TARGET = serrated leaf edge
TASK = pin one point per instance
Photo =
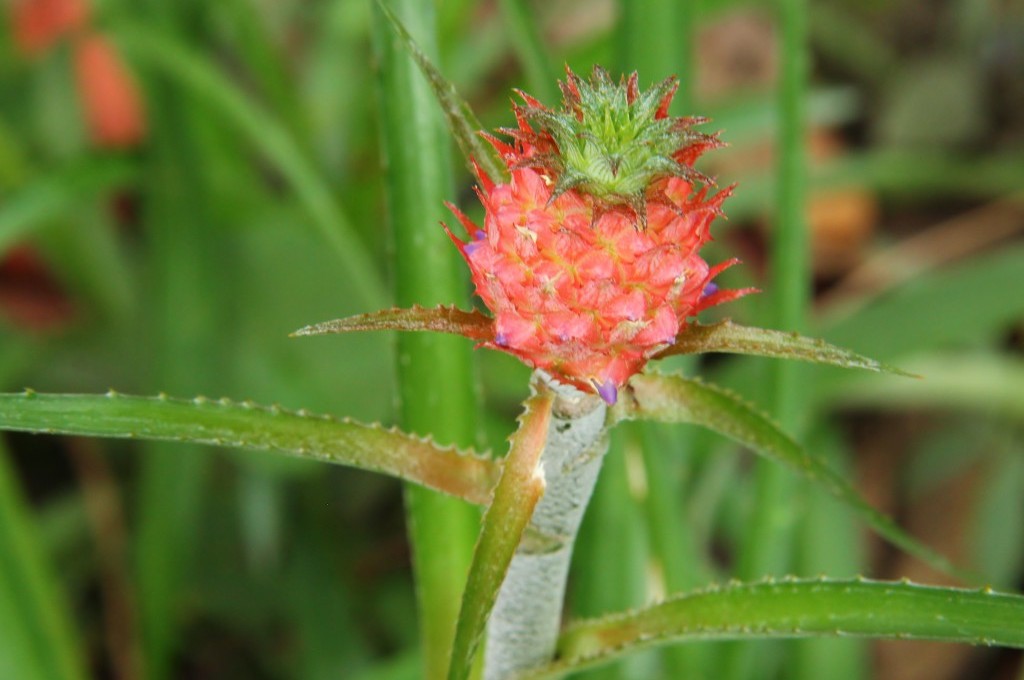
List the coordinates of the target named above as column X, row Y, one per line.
column 717, row 336
column 202, row 401
column 473, row 320
column 584, row 660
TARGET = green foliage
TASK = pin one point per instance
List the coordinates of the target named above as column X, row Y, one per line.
column 678, row 400
column 613, row 140
column 254, row 207
column 246, row 425
column 794, row 609
column 515, row 496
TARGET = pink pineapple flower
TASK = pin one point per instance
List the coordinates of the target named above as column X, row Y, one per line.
column 589, row 257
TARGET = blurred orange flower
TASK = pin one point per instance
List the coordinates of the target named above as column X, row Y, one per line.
column 38, row 24
column 110, row 96
column 111, row 102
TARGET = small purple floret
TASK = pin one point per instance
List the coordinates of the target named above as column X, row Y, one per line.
column 501, row 340
column 710, row 289
column 608, row 392
column 478, row 238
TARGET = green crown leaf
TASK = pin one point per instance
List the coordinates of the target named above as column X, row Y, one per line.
column 613, row 141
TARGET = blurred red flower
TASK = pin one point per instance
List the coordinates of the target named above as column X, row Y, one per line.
column 111, row 101
column 38, row 24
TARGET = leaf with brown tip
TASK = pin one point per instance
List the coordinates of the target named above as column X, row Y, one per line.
column 726, row 336
column 245, row 425
column 474, row 325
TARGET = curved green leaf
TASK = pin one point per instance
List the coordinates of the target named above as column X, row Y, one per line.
column 795, row 609
column 461, row 120
column 726, row 336
column 435, row 374
column 973, row 295
column 675, row 399
column 982, row 383
column 37, row 637
column 442, row 319
column 270, row 137
column 518, row 491
column 246, row 425
column 55, row 193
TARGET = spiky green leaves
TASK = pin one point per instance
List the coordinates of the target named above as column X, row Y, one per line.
column 612, row 141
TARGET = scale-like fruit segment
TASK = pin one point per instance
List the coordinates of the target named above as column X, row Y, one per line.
column 589, row 275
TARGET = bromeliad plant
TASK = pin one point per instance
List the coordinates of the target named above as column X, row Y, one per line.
column 589, row 261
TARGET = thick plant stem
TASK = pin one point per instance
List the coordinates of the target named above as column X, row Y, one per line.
column 525, row 621
column 436, row 382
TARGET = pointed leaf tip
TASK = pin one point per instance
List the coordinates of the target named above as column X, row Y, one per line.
column 246, row 425
column 474, row 324
column 674, row 399
column 726, row 336
column 462, row 121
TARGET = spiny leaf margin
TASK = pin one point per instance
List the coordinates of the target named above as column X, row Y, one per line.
column 726, row 336
column 442, row 319
column 794, row 608
column 462, row 121
column 246, row 425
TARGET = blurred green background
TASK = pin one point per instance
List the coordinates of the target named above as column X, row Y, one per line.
column 176, row 201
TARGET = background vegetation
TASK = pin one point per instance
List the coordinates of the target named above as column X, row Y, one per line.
column 174, row 248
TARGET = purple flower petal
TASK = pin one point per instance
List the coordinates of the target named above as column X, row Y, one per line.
column 607, row 391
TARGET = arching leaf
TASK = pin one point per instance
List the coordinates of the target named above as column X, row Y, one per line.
column 245, row 425
column 474, row 324
column 795, row 609
column 675, row 399
column 462, row 122
column 726, row 336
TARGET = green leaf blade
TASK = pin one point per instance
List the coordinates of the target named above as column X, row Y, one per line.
column 248, row 426
column 676, row 399
column 53, row 195
column 462, row 122
column 37, row 636
column 518, row 491
column 726, row 336
column 196, row 76
column 797, row 609
column 441, row 319
column 436, row 374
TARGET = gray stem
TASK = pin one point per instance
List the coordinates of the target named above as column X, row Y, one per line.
column 524, row 624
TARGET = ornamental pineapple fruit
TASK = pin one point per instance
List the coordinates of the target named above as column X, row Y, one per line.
column 589, row 255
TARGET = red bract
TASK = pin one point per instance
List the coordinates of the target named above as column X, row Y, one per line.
column 589, row 278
